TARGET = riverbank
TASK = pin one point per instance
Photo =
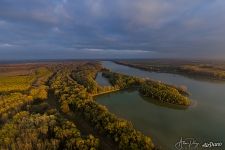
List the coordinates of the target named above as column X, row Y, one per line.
column 107, row 92
column 196, row 71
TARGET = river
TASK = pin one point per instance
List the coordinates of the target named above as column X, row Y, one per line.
column 204, row 121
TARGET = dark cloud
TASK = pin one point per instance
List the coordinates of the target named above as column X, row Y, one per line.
column 37, row 29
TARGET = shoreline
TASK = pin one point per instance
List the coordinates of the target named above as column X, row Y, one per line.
column 107, row 92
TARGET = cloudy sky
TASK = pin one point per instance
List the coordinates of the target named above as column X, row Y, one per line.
column 53, row 29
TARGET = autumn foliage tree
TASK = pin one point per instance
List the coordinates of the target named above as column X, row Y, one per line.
column 39, row 132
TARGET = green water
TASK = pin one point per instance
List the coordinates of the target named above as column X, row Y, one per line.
column 204, row 121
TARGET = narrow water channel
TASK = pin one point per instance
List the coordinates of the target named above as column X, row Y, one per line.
column 102, row 81
column 205, row 121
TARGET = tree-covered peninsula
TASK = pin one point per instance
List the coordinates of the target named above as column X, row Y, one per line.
column 159, row 91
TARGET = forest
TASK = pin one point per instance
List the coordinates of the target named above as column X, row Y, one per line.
column 163, row 93
column 74, row 96
column 28, row 122
column 122, row 81
column 35, row 131
column 37, row 108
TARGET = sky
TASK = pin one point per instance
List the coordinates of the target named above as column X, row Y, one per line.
column 78, row 29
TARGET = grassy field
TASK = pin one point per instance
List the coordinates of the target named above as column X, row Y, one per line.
column 15, row 83
column 20, row 88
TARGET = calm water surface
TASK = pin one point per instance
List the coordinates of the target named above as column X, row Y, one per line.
column 205, row 121
column 102, row 81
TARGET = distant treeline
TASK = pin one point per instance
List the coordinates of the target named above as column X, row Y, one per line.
column 194, row 70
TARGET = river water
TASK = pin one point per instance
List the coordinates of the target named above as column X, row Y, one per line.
column 204, row 121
